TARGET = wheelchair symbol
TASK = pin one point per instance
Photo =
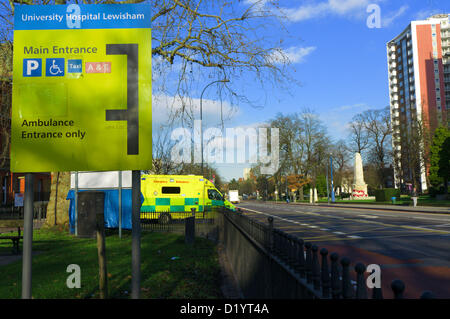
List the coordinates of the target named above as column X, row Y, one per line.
column 55, row 67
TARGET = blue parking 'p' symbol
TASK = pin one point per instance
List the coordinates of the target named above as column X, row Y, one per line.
column 54, row 67
column 32, row 67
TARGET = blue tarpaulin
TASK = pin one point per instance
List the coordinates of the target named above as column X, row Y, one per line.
column 111, row 208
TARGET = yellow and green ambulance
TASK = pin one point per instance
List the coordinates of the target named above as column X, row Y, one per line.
column 179, row 193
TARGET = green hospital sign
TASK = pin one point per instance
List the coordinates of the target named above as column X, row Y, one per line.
column 81, row 88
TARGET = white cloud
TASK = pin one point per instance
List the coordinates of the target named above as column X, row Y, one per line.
column 337, row 119
column 358, row 106
column 292, row 54
column 388, row 19
column 426, row 13
column 164, row 107
column 257, row 5
column 257, row 2
column 298, row 54
column 306, row 12
column 338, row 7
column 343, row 8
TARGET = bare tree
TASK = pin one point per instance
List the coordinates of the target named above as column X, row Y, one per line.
column 359, row 138
column 222, row 39
column 414, row 139
column 5, row 123
column 198, row 40
column 5, row 98
column 378, row 127
column 195, row 40
column 162, row 163
column 304, row 148
column 341, row 159
column 316, row 143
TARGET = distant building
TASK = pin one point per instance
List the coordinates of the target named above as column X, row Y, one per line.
column 419, row 86
column 246, row 173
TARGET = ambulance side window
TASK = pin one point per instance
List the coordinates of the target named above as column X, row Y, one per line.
column 213, row 194
column 170, row 190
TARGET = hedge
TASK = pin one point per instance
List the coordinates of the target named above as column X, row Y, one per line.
column 385, row 194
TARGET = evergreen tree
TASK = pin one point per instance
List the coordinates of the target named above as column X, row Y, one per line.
column 439, row 157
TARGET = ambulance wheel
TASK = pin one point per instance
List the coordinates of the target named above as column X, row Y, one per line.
column 164, row 218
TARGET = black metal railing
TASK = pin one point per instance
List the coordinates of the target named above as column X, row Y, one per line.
column 167, row 221
column 12, row 212
column 326, row 276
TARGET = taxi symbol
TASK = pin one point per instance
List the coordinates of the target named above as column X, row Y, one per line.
column 75, row 66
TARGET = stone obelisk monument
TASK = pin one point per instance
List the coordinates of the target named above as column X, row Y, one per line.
column 359, row 187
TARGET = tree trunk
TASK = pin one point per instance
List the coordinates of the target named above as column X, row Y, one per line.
column 58, row 205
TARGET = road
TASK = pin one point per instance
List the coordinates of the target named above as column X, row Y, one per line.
column 411, row 246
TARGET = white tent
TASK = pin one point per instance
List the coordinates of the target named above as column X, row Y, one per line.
column 100, row 180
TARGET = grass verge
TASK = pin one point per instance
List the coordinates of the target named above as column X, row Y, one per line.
column 193, row 273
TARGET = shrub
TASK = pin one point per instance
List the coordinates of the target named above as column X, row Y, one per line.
column 345, row 195
column 385, row 194
column 432, row 191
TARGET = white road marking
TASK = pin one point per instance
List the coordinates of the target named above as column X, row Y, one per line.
column 368, row 216
column 356, row 237
column 329, row 216
column 425, row 228
column 441, row 232
column 428, row 218
column 338, row 233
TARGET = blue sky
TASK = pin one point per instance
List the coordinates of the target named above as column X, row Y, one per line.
column 339, row 61
column 343, row 70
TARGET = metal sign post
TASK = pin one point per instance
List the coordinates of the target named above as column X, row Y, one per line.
column 27, row 236
column 120, row 204
column 135, row 234
column 333, row 199
column 76, row 203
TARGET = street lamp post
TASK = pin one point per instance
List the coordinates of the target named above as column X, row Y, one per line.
column 331, row 175
column 201, row 114
column 287, row 196
column 328, row 192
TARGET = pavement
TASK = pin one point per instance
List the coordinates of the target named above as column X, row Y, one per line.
column 408, row 243
column 6, row 259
